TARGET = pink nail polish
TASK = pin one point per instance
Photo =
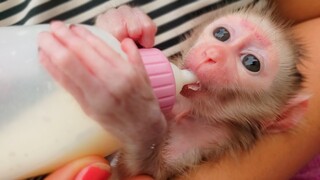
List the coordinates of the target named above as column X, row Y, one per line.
column 94, row 172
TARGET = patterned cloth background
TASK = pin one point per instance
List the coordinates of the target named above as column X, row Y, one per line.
column 173, row 18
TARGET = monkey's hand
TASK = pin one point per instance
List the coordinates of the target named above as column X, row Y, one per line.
column 124, row 22
column 113, row 90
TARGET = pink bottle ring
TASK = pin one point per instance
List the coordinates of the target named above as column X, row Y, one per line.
column 161, row 77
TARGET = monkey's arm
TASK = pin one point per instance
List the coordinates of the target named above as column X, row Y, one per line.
column 114, row 91
column 279, row 156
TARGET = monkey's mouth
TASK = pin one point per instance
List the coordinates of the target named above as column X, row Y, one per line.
column 190, row 89
column 194, row 86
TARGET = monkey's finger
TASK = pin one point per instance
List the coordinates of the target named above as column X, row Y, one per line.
column 130, row 48
column 46, row 62
column 97, row 44
column 132, row 22
column 120, row 65
column 112, row 22
column 58, row 76
column 63, row 80
column 114, row 77
column 91, row 60
column 148, row 27
column 71, row 70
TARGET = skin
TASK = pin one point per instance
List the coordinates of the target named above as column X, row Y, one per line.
column 72, row 169
column 93, row 80
column 299, row 11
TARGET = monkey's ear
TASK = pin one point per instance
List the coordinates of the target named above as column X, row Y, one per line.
column 291, row 114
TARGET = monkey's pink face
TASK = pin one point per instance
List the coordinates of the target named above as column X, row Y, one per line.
column 233, row 52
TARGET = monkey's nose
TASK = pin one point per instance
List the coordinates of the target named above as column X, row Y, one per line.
column 210, row 60
column 213, row 55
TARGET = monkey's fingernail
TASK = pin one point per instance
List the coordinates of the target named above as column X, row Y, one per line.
column 72, row 26
column 97, row 171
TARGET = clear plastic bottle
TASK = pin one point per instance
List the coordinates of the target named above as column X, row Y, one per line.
column 41, row 125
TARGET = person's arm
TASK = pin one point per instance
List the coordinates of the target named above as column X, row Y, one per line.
column 279, row 156
column 93, row 166
column 298, row 10
column 90, row 167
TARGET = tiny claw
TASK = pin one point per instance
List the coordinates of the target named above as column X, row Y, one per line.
column 72, row 26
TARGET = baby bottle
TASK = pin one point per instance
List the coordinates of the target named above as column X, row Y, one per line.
column 41, row 126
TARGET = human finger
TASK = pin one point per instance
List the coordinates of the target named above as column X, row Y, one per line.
column 91, row 167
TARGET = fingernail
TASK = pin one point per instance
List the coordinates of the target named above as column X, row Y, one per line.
column 72, row 26
column 97, row 171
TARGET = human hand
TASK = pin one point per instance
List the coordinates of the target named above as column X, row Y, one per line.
column 128, row 22
column 87, row 168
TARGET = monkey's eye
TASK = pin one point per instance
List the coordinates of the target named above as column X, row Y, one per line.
column 221, row 33
column 251, row 63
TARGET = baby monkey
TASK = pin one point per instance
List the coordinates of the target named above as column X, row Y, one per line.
column 248, row 86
